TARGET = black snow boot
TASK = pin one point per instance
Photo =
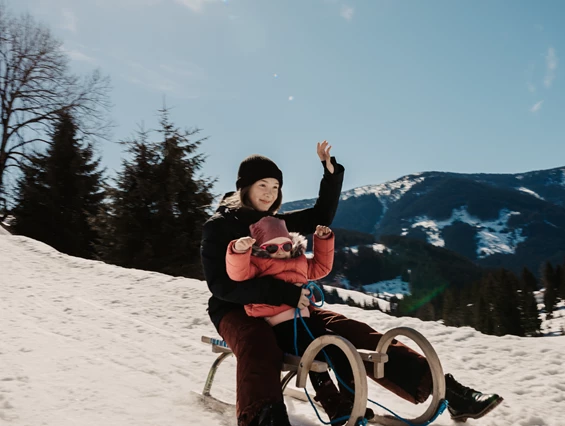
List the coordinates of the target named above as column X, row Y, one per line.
column 272, row 415
column 343, row 410
column 327, row 393
column 346, row 405
column 466, row 403
column 336, row 404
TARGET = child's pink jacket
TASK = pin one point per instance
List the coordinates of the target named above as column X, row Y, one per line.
column 298, row 270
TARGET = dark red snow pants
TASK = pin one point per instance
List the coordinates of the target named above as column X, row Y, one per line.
column 259, row 360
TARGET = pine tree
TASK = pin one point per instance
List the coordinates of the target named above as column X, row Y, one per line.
column 528, row 280
column 550, row 296
column 531, row 322
column 559, row 279
column 426, row 312
column 466, row 302
column 60, row 193
column 160, row 204
column 562, row 285
column 450, row 309
column 482, row 320
column 506, row 311
column 484, row 306
column 126, row 226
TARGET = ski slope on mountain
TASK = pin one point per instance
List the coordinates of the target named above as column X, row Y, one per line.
column 83, row 343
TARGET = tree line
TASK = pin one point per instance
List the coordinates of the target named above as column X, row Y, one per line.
column 446, row 286
column 150, row 216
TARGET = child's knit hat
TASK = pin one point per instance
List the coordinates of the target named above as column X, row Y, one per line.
column 268, row 228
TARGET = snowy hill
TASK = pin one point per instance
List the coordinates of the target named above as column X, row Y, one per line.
column 83, row 343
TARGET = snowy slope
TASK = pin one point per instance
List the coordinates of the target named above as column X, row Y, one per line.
column 84, row 343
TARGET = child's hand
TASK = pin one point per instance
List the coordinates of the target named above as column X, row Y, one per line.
column 323, row 231
column 243, row 244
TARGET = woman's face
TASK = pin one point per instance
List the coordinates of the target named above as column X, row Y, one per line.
column 263, row 193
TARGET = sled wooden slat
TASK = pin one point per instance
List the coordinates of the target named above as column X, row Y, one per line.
column 217, row 347
column 377, row 358
column 290, row 362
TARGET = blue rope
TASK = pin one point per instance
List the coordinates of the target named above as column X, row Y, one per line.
column 311, row 286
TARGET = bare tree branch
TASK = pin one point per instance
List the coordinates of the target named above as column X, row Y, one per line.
column 36, row 86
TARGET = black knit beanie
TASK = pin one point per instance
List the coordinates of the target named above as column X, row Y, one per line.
column 257, row 167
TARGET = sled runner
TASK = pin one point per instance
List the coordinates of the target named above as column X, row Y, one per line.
column 300, row 366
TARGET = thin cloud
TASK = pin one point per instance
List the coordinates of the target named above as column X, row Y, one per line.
column 69, row 20
column 148, row 77
column 129, row 3
column 184, row 69
column 551, row 63
column 194, row 5
column 77, row 55
column 154, row 80
column 536, row 107
column 530, row 77
column 347, row 12
column 158, row 85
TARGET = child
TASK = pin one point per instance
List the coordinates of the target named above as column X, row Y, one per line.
column 272, row 250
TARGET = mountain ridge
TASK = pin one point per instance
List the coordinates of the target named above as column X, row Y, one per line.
column 494, row 219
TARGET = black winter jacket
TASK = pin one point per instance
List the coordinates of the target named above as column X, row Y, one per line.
column 227, row 225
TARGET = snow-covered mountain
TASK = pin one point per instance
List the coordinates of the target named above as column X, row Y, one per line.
column 510, row 220
column 84, row 343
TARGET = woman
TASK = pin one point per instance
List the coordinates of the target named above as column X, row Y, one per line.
column 259, row 359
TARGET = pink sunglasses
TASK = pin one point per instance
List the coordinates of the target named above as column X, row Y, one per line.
column 273, row 248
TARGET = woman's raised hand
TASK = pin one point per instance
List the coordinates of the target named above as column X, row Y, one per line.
column 323, row 150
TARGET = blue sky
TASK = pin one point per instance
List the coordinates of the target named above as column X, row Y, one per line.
column 396, row 87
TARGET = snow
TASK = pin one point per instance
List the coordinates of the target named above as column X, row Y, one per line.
column 495, row 237
column 394, row 287
column 432, row 228
column 387, row 192
column 492, row 236
column 555, row 326
column 377, row 247
column 530, row 192
column 359, row 297
column 83, row 343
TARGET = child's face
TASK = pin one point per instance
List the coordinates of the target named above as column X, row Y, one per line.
column 280, row 253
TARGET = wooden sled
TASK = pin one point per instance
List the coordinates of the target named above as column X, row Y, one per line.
column 300, row 366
